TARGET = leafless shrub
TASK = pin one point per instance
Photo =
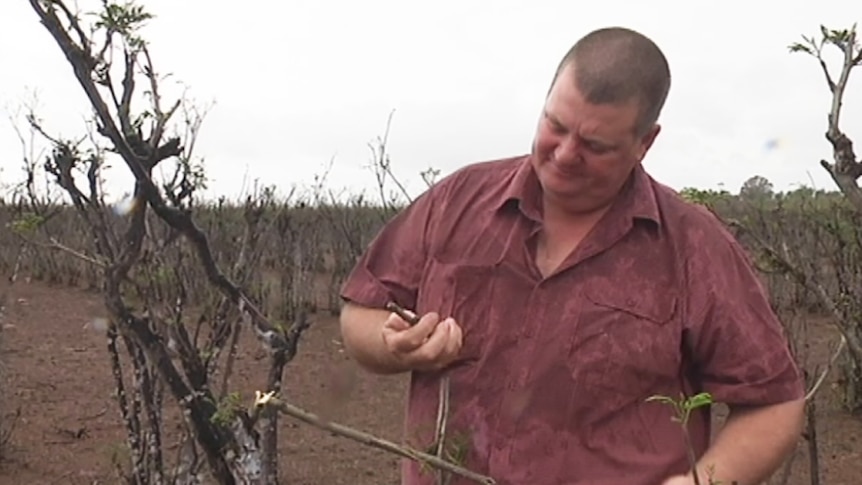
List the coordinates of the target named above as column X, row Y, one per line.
column 144, row 261
column 174, row 315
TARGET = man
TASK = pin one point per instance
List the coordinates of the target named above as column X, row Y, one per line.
column 559, row 290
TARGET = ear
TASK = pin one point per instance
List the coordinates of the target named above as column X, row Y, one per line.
column 647, row 140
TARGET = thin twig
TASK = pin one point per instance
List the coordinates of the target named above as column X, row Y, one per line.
column 691, row 456
column 822, row 377
column 58, row 246
column 405, row 315
column 269, row 399
column 442, row 419
column 443, row 397
column 805, row 279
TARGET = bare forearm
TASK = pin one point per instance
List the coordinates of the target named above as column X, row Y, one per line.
column 361, row 330
column 753, row 444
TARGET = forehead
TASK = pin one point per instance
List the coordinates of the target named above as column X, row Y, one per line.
column 566, row 105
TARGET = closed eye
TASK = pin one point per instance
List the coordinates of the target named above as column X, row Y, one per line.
column 597, row 147
column 556, row 126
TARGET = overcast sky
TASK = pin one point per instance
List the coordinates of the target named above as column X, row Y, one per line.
column 297, row 84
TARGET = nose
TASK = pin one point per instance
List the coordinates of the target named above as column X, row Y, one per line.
column 567, row 151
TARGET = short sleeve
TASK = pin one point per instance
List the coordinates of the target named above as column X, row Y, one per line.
column 737, row 343
column 391, row 267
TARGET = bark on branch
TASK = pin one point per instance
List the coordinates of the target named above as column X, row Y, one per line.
column 264, row 400
column 843, row 323
column 846, row 169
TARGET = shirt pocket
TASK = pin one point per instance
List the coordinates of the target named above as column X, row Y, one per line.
column 463, row 291
column 625, row 348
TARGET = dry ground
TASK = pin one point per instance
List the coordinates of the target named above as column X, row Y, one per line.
column 56, row 371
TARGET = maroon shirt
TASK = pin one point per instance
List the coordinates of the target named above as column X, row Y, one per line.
column 554, row 372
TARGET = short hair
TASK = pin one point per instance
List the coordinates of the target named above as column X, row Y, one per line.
column 616, row 65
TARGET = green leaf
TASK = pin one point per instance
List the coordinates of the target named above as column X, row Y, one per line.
column 698, row 400
column 797, row 47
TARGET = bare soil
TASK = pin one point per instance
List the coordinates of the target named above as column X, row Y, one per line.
column 55, row 370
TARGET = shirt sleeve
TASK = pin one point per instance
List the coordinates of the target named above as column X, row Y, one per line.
column 391, row 267
column 738, row 345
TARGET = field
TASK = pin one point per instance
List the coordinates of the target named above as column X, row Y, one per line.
column 55, row 369
column 69, row 428
column 290, row 258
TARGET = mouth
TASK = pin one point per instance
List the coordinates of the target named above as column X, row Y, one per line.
column 566, row 171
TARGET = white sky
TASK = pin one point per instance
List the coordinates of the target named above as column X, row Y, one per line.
column 298, row 83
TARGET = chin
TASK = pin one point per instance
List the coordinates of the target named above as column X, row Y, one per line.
column 560, row 183
column 575, row 198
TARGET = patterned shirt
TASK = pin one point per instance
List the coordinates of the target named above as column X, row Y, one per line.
column 552, row 382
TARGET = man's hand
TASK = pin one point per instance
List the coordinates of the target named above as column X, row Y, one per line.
column 430, row 344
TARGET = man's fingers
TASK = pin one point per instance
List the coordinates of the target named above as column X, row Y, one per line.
column 456, row 341
column 430, row 343
column 404, row 338
column 394, row 322
column 418, row 334
column 436, row 343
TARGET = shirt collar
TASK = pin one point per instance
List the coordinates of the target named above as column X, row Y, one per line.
column 637, row 198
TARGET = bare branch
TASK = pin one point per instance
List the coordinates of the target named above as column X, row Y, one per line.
column 781, row 261
column 162, row 118
column 822, row 377
column 56, row 245
column 179, row 220
column 382, row 166
column 442, row 424
column 829, row 81
column 268, row 399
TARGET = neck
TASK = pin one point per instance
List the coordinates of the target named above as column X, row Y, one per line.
column 562, row 231
column 558, row 215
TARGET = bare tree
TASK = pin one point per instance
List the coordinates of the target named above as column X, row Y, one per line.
column 132, row 261
column 144, row 265
column 845, row 170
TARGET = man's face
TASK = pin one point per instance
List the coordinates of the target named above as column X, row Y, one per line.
column 583, row 153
